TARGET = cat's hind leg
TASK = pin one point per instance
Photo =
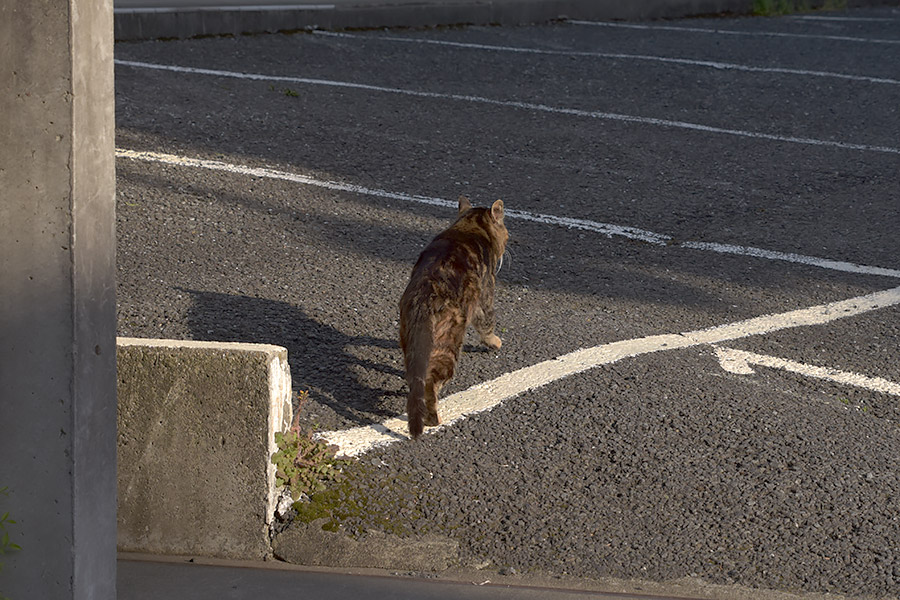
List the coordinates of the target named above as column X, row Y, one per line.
column 448, row 340
column 432, row 391
column 440, row 370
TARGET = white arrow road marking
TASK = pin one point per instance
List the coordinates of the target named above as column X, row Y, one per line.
column 485, row 396
column 739, row 361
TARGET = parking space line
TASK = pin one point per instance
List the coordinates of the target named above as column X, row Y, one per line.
column 667, row 123
column 823, row 263
column 839, row 38
column 739, row 361
column 485, row 396
column 718, row 65
column 606, row 229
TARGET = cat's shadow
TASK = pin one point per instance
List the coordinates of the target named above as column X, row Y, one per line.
column 322, row 360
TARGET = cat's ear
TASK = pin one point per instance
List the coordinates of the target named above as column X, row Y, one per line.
column 497, row 211
column 464, row 205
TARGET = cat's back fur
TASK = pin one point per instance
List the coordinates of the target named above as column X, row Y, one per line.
column 451, row 285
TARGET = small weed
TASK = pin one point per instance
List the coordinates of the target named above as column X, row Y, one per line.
column 772, row 8
column 304, row 465
column 328, row 488
column 6, row 545
column 285, row 91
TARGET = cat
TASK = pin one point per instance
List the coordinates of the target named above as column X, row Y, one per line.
column 451, row 285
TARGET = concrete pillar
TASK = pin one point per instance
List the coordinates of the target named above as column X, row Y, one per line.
column 57, row 298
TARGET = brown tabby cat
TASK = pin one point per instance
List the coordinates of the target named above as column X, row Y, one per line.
column 451, row 286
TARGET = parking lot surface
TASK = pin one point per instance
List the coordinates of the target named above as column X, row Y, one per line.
column 699, row 309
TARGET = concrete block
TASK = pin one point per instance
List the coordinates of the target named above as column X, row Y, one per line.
column 196, row 430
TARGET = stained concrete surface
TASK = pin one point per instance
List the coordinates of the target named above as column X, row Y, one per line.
column 196, row 427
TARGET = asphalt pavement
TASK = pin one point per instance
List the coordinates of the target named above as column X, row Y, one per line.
column 706, row 207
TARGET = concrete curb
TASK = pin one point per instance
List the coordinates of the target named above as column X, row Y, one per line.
column 153, row 23
column 165, row 23
column 309, row 545
column 196, row 430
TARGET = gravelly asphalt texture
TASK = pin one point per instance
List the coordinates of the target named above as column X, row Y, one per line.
column 659, row 467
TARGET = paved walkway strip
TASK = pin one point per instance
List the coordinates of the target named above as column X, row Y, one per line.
column 485, row 396
column 575, row 112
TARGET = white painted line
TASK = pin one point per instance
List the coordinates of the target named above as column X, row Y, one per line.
column 616, row 56
column 216, row 165
column 519, row 105
column 824, row 263
column 839, row 38
column 582, row 224
column 739, row 361
column 606, row 229
column 485, row 396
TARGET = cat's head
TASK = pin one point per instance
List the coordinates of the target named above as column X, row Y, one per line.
column 488, row 219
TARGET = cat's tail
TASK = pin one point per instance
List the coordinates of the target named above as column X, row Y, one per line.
column 418, row 351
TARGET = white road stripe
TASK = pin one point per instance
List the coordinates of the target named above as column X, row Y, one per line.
column 839, row 38
column 519, row 105
column 568, row 222
column 215, row 165
column 616, row 56
column 824, row 263
column 485, row 396
column 739, row 361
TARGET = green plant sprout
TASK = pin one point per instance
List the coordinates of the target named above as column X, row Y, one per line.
column 303, row 464
column 771, row 8
column 6, row 545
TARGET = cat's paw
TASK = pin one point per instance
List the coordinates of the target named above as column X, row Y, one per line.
column 492, row 341
column 432, row 419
